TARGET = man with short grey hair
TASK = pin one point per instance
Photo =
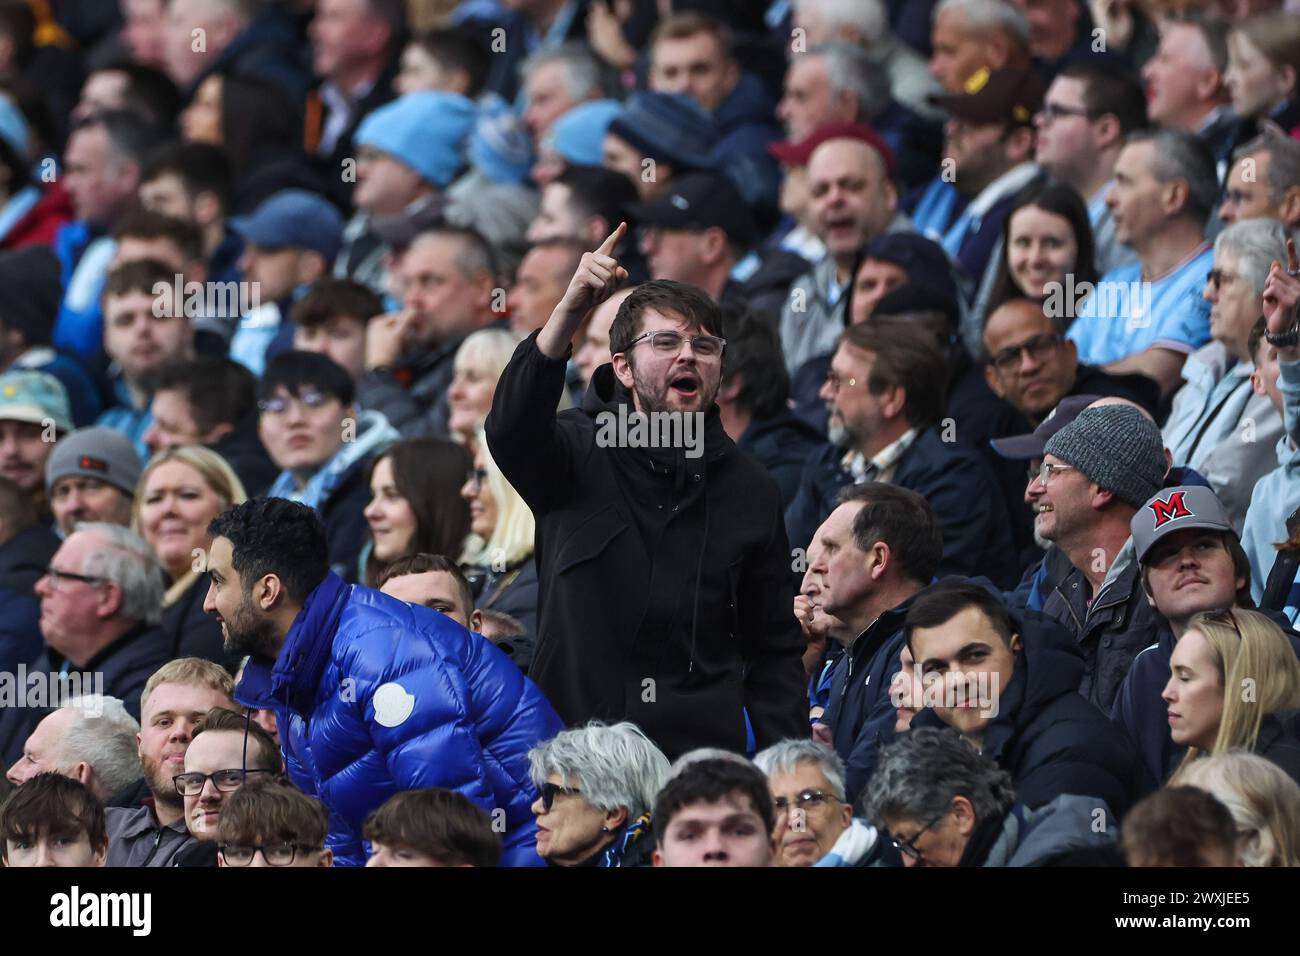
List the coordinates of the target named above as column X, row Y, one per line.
column 1264, row 180
column 864, row 25
column 101, row 600
column 1185, row 82
column 945, row 804
column 555, row 81
column 90, row 739
column 814, row 820
column 1148, row 316
column 1218, row 425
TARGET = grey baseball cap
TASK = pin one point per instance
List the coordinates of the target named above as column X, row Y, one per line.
column 1177, row 509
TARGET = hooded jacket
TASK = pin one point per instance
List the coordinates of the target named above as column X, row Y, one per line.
column 747, row 124
column 1110, row 628
column 374, row 696
column 1050, row 739
column 957, row 483
column 1046, row 836
column 664, row 594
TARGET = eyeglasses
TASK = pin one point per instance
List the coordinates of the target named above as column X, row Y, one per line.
column 1217, row 277
column 57, row 577
column 548, row 791
column 281, row 854
column 279, row 404
column 836, row 383
column 1046, row 470
column 806, row 799
column 1038, row 348
column 670, row 343
column 476, row 478
column 1051, row 112
column 908, row 847
column 191, row 784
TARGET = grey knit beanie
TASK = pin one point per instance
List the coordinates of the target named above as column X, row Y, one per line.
column 1115, row 446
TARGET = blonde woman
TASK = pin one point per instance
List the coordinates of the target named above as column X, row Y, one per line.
column 479, row 363
column 1263, row 800
column 1263, row 66
column 180, row 491
column 498, row 556
column 1234, row 684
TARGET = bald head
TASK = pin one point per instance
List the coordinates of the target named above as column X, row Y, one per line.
column 851, row 197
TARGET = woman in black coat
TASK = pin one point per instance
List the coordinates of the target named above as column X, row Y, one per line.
column 179, row 493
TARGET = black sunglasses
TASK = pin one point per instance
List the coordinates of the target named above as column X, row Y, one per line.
column 548, row 791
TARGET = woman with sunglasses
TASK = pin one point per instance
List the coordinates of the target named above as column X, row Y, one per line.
column 498, row 557
column 942, row 803
column 1234, row 684
column 596, row 786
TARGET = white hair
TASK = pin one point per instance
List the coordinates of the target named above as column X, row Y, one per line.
column 983, row 16
column 785, row 756
column 127, row 561
column 849, row 69
column 102, row 736
column 1255, row 243
column 582, row 74
column 704, row 753
column 612, row 766
column 866, row 16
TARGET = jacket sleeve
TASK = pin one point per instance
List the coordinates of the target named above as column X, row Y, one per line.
column 969, row 509
column 877, row 730
column 428, row 741
column 380, row 391
column 528, row 447
column 775, row 690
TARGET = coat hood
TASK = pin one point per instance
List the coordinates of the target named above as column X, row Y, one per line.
column 1047, row 666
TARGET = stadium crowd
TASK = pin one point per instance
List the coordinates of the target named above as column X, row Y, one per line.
column 858, row 433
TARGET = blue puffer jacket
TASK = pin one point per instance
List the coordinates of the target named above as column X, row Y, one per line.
column 374, row 696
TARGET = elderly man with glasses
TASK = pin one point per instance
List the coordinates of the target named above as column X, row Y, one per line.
column 101, row 600
column 945, row 804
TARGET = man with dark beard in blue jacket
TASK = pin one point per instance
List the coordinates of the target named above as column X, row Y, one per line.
column 372, row 696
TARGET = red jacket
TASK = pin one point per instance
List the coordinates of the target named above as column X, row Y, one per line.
column 43, row 220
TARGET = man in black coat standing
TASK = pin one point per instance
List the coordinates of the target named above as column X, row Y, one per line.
column 1012, row 688
column 662, row 558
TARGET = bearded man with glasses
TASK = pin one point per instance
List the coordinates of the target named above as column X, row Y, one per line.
column 666, row 570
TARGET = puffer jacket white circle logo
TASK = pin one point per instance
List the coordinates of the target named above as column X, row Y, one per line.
column 392, row 704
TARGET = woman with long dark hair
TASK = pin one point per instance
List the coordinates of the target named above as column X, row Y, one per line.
column 1045, row 238
column 415, row 505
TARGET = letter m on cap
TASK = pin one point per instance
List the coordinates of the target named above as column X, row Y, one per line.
column 1167, row 509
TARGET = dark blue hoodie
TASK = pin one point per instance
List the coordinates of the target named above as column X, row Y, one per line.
column 747, row 122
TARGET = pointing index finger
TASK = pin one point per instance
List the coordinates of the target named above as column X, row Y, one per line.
column 607, row 247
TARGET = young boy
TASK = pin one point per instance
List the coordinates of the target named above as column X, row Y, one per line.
column 52, row 820
column 431, row 827
column 332, row 319
column 271, row 823
column 715, row 812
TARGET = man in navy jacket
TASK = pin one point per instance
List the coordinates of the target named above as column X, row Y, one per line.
column 372, row 696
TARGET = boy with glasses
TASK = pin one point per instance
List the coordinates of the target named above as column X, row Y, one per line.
column 269, row 823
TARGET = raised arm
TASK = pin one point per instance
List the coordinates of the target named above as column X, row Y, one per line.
column 597, row 278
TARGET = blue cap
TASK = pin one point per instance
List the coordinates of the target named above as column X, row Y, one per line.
column 293, row 217
column 500, row 145
column 426, row 131
column 668, row 127
column 578, row 134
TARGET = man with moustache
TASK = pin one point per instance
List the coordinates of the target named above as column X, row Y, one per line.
column 34, row 414
column 666, row 569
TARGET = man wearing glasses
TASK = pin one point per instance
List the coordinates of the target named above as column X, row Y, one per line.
column 101, row 598
column 1088, row 110
column 668, row 576
column 269, row 823
column 1264, row 182
column 945, row 804
column 225, row 752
